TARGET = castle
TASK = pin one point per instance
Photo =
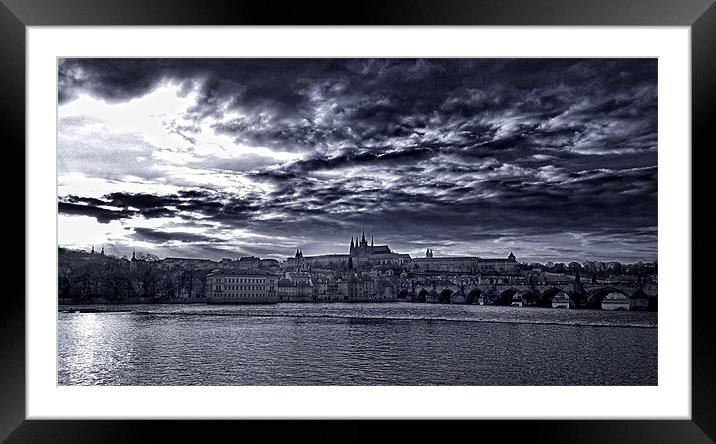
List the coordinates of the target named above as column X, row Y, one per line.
column 361, row 254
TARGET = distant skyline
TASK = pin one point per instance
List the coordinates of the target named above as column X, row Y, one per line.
column 552, row 159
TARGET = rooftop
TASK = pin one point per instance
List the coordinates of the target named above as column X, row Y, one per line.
column 242, row 272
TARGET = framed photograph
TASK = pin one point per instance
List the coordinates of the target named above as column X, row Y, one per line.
column 435, row 211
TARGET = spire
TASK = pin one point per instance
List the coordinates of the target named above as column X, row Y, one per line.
column 351, row 242
column 371, row 241
column 133, row 257
column 363, row 238
column 102, row 253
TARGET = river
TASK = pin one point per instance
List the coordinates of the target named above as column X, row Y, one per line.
column 354, row 344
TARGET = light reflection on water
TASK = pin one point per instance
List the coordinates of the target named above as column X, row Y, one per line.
column 356, row 344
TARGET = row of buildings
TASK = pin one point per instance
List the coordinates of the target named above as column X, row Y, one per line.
column 225, row 286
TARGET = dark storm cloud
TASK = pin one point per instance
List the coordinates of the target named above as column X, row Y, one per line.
column 162, row 236
column 418, row 151
column 314, row 103
column 349, row 159
column 101, row 214
column 187, row 204
column 116, row 206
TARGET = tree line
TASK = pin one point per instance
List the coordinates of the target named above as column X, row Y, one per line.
column 85, row 276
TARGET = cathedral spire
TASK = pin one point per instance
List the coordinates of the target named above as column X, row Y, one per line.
column 351, row 242
column 363, row 238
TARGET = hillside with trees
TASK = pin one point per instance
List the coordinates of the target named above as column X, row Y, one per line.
column 96, row 278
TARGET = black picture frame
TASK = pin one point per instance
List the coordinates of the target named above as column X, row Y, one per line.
column 16, row 15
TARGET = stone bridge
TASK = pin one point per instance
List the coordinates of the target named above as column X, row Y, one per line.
column 506, row 291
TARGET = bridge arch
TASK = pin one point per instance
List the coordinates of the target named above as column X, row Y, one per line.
column 507, row 297
column 403, row 294
column 444, row 297
column 473, row 296
column 596, row 297
column 422, row 295
column 547, row 299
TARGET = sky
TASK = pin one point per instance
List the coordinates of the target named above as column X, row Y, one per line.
column 552, row 159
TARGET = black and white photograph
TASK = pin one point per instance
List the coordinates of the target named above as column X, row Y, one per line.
column 357, row 221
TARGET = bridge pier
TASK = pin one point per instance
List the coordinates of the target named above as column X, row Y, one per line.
column 491, row 298
column 578, row 300
column 543, row 303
